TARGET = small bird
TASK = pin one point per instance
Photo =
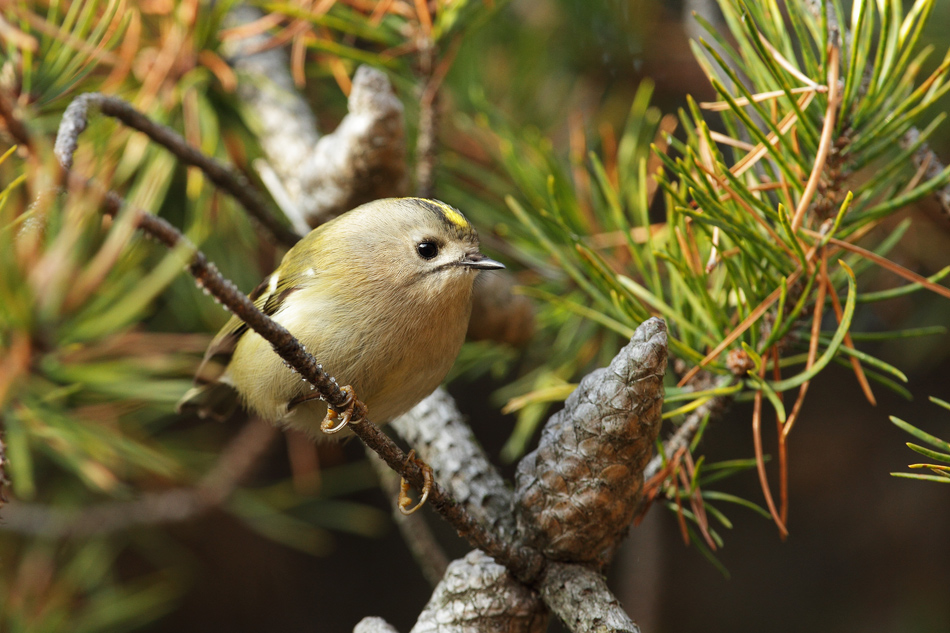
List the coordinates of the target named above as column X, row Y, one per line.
column 381, row 296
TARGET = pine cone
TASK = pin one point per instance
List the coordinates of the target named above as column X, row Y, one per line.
column 577, row 493
column 479, row 595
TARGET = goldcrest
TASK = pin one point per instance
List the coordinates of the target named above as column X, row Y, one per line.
column 381, row 296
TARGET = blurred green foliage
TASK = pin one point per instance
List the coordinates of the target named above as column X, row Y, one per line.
column 607, row 216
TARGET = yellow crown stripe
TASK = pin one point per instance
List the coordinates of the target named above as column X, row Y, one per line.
column 453, row 216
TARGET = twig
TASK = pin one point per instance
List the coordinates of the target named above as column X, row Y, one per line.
column 427, row 142
column 684, row 433
column 75, row 120
column 235, row 462
column 925, row 158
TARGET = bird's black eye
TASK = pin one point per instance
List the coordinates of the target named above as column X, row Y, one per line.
column 427, row 250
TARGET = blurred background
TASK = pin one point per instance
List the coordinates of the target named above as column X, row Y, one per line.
column 299, row 549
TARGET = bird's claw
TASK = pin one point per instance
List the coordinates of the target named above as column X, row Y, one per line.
column 404, row 500
column 353, row 410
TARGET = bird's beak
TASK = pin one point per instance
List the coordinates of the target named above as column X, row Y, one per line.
column 481, row 262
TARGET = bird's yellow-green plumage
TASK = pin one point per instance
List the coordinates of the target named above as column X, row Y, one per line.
column 381, row 297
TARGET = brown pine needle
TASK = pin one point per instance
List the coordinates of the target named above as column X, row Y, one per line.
column 381, row 9
column 127, row 53
column 687, row 251
column 786, row 124
column 680, row 518
column 782, row 444
column 760, row 459
column 577, row 147
column 696, row 501
column 425, row 18
column 885, row 263
column 298, row 52
column 219, row 68
column 338, row 68
column 812, row 345
column 441, row 70
column 608, row 143
column 746, row 323
column 732, row 142
column 790, row 67
column 824, row 144
column 918, row 175
column 258, row 26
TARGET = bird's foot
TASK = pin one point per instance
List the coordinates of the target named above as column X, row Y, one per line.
column 404, row 500
column 352, row 411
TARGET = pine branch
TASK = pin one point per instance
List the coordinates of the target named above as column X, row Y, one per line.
column 76, row 118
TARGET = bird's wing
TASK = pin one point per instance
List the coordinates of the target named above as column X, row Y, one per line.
column 210, row 396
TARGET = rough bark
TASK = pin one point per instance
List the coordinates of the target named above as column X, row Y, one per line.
column 437, row 431
column 314, row 177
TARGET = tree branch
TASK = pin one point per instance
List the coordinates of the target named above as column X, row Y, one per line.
column 579, row 596
column 76, row 118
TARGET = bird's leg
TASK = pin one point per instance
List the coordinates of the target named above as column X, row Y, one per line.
column 404, row 500
column 353, row 410
column 299, row 400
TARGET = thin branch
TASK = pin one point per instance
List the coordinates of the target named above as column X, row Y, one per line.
column 76, row 118
column 580, row 598
column 925, row 158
